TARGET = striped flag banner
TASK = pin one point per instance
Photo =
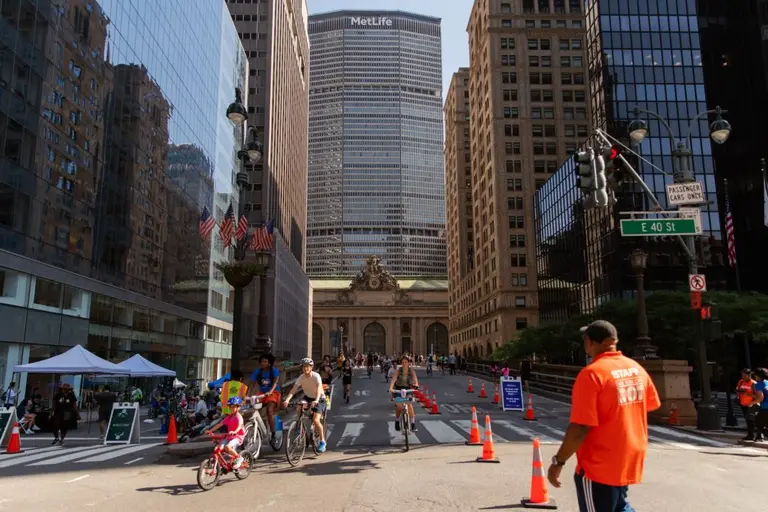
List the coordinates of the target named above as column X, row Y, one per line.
column 242, row 228
column 207, row 223
column 729, row 232
column 227, row 227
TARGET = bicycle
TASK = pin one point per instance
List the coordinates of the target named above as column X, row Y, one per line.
column 217, row 464
column 405, row 396
column 256, row 430
column 429, row 369
column 302, row 434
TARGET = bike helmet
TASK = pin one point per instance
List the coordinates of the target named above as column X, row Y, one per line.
column 235, row 400
column 307, row 361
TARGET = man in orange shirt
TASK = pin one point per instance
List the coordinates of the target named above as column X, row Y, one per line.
column 608, row 430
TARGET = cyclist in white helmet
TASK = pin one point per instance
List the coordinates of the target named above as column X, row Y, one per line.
column 312, row 386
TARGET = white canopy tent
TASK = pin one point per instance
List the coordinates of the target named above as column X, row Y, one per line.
column 138, row 366
column 74, row 361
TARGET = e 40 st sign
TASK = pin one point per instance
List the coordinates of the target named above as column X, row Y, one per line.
column 657, row 227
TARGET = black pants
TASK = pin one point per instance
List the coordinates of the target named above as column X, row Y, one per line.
column 60, row 427
column 761, row 422
column 749, row 416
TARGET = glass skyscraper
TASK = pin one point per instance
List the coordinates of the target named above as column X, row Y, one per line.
column 113, row 139
column 647, row 54
column 376, row 180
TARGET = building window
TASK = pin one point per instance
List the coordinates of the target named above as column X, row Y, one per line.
column 517, row 241
column 514, row 167
column 509, row 77
column 517, row 260
column 507, row 43
column 506, row 8
column 511, row 130
column 520, row 301
column 511, row 112
column 576, row 44
column 534, row 78
column 521, row 323
column 565, row 44
column 546, row 61
column 544, row 44
column 546, row 78
column 533, row 61
column 47, row 293
column 533, row 44
column 509, row 95
column 516, row 222
column 519, row 279
column 506, row 23
column 515, row 203
column 508, row 60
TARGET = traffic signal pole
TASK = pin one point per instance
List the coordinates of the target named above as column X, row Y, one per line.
column 707, row 417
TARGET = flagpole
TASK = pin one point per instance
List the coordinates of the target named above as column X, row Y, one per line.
column 729, row 209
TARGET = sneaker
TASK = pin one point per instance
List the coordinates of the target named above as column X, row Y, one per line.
column 397, row 425
column 36, row 428
column 55, row 442
column 748, row 438
column 347, row 399
column 413, row 427
column 238, row 463
column 759, row 439
column 273, row 438
column 321, row 447
column 61, row 442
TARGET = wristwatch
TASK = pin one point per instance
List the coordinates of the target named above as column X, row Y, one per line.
column 556, row 461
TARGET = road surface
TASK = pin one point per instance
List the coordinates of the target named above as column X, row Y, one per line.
column 366, row 469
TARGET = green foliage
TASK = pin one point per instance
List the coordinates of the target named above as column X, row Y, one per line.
column 670, row 323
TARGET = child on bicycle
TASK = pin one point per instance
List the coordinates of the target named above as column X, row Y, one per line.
column 235, row 431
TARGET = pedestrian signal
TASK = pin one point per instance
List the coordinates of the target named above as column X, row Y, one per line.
column 706, row 312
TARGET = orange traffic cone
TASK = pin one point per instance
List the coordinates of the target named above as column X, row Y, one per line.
column 539, row 495
column 495, row 395
column 489, row 455
column 674, row 416
column 529, row 414
column 14, row 443
column 172, row 438
column 427, row 403
column 482, row 391
column 423, row 396
column 434, row 410
column 470, row 389
column 474, row 431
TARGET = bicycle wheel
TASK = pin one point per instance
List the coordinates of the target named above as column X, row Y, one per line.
column 252, row 442
column 245, row 469
column 406, row 427
column 208, row 474
column 295, row 444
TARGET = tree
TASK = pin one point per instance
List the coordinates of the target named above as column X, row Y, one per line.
column 671, row 327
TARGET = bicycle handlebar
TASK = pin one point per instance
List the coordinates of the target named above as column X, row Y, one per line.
column 217, row 437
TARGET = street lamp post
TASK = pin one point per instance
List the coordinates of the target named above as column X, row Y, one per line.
column 240, row 275
column 643, row 347
column 708, row 417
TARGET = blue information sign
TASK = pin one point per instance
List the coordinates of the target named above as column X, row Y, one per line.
column 511, row 394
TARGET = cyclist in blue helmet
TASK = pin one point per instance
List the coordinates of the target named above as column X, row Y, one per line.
column 235, row 430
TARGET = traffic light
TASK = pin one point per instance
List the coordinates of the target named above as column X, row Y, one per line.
column 585, row 179
column 600, row 194
column 613, row 168
column 712, row 326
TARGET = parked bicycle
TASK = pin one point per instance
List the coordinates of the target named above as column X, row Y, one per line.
column 302, row 434
column 256, row 430
column 219, row 463
column 403, row 397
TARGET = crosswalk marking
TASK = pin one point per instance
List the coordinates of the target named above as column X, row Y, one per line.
column 690, row 437
column 37, row 456
column 119, row 453
column 396, row 437
column 530, row 434
column 351, row 432
column 466, row 426
column 674, row 444
column 68, row 456
column 441, row 432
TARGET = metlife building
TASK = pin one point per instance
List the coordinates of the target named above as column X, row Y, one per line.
column 376, row 176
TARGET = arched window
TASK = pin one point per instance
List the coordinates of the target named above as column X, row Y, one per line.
column 437, row 339
column 374, row 338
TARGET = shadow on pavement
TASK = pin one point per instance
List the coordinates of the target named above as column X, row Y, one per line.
column 335, row 467
column 177, row 490
column 503, row 507
column 731, row 454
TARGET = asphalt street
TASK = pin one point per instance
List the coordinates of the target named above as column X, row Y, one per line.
column 366, row 468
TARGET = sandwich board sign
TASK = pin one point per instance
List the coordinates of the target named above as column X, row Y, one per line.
column 123, row 427
column 7, row 420
column 511, row 394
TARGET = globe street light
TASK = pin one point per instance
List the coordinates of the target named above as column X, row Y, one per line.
column 708, row 417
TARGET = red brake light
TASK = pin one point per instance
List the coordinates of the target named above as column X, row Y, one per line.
column 614, row 153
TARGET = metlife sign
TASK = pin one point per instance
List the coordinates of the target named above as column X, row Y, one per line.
column 372, row 21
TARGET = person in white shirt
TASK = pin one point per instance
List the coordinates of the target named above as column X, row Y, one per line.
column 201, row 411
column 9, row 397
column 312, row 386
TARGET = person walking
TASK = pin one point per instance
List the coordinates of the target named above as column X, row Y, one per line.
column 760, row 401
column 64, row 413
column 745, row 392
column 10, row 395
column 608, row 428
column 105, row 399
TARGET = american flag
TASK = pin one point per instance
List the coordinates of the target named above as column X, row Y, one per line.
column 242, row 228
column 227, row 226
column 729, row 234
column 207, row 222
column 263, row 237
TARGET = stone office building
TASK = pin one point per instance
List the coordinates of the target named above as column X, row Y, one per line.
column 375, row 312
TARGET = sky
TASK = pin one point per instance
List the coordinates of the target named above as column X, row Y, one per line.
column 454, row 15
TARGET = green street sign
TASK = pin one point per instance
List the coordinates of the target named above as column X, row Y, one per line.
column 657, row 227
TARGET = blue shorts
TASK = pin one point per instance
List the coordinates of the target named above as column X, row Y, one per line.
column 595, row 497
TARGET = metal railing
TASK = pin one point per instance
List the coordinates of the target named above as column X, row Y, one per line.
column 547, row 379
